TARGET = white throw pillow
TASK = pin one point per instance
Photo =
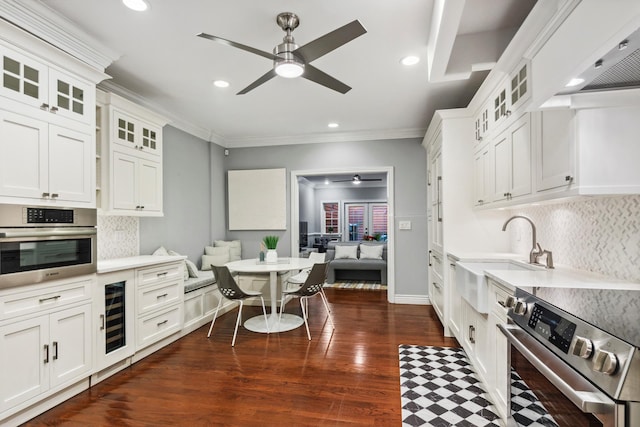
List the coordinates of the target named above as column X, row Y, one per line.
column 370, row 251
column 217, row 260
column 346, row 252
column 191, row 268
column 220, row 250
column 185, row 268
column 161, row 251
column 235, row 248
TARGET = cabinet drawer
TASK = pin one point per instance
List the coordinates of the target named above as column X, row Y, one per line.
column 436, row 294
column 43, row 297
column 160, row 325
column 151, row 298
column 163, row 273
column 497, row 298
column 436, row 264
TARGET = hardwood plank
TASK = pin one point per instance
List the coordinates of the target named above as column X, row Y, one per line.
column 349, row 376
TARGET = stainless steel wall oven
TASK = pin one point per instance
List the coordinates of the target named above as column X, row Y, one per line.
column 43, row 243
column 574, row 357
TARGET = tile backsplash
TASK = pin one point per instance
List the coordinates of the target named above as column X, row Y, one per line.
column 601, row 235
column 118, row 237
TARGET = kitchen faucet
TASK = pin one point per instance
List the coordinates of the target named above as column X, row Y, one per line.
column 536, row 249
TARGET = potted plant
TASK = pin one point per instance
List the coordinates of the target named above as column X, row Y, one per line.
column 271, row 242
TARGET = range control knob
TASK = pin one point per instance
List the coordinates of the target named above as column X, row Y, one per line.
column 510, row 301
column 605, row 362
column 583, row 347
column 520, row 308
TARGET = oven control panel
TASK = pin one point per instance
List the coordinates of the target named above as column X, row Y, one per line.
column 48, row 216
column 596, row 354
column 557, row 330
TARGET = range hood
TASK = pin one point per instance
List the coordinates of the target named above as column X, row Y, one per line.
column 618, row 69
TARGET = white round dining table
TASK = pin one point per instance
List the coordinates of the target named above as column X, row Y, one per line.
column 288, row 321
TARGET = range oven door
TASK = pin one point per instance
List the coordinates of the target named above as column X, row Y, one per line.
column 565, row 398
column 33, row 255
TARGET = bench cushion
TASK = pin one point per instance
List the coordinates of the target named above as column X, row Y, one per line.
column 205, row 278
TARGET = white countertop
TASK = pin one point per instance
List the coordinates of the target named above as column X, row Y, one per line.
column 484, row 256
column 109, row 265
column 560, row 277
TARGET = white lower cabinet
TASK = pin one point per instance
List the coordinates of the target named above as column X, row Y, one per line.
column 159, row 303
column 43, row 354
column 455, row 307
column 499, row 371
column 475, row 340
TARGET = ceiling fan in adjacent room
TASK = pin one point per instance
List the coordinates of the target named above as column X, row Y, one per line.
column 357, row 179
column 291, row 60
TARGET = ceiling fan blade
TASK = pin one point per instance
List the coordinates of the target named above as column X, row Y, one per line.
column 265, row 78
column 370, row 179
column 330, row 41
column 324, row 79
column 237, row 45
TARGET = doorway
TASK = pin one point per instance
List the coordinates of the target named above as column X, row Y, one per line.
column 295, row 212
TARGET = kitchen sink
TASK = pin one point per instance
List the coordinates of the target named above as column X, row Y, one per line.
column 472, row 283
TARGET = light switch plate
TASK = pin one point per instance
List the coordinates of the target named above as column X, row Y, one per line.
column 404, row 225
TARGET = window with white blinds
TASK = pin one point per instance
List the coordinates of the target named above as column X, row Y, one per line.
column 365, row 219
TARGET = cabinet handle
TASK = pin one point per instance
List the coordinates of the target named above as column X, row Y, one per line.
column 430, row 258
column 53, row 110
column 164, row 273
column 102, row 322
column 436, row 285
column 54, row 195
column 45, row 195
column 55, row 350
column 46, row 353
column 502, row 303
column 162, row 296
column 480, row 201
column 472, row 334
column 41, row 300
column 44, row 106
column 162, row 323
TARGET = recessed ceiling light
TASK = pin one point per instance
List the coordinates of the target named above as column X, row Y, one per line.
column 333, row 125
column 221, row 83
column 574, row 82
column 326, row 181
column 410, row 60
column 137, row 5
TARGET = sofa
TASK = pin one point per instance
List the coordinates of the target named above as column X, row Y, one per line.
column 365, row 260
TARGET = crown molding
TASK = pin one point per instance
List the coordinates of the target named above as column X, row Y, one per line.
column 175, row 121
column 315, row 138
column 43, row 22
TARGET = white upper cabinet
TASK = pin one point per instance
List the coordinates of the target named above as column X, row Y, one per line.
column 512, row 160
column 510, row 96
column 130, row 158
column 47, row 124
column 555, row 149
column 33, row 83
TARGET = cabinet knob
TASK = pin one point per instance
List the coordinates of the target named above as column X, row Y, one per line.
column 53, row 110
column 568, row 178
column 44, row 106
column 45, row 195
column 54, row 195
column 479, row 138
column 508, row 113
column 480, row 201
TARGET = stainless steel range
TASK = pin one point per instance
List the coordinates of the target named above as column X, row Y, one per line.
column 586, row 344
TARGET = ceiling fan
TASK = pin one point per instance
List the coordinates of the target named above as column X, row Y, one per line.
column 357, row 179
column 291, row 60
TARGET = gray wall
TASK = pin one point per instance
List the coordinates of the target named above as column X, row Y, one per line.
column 188, row 164
column 407, row 156
column 307, row 204
column 345, row 194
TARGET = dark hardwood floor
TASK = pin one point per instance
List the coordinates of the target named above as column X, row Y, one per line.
column 349, row 376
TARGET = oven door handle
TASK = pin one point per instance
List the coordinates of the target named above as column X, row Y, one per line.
column 588, row 398
column 48, row 232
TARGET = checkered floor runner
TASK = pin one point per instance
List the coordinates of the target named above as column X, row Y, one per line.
column 439, row 388
column 367, row 285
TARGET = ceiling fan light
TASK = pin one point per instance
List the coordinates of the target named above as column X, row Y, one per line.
column 137, row 5
column 289, row 69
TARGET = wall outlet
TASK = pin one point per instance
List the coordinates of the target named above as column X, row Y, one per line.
column 404, row 225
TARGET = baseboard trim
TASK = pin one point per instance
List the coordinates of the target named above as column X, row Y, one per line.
column 412, row 299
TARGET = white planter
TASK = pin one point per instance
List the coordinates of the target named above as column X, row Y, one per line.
column 272, row 256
